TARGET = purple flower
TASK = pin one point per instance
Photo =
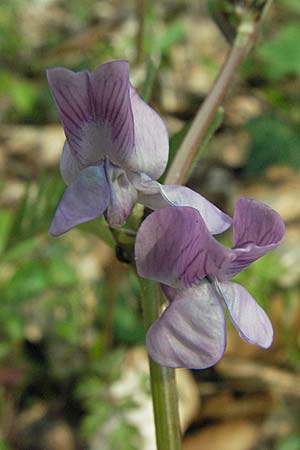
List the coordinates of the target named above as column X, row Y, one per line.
column 116, row 147
column 110, row 132
column 174, row 247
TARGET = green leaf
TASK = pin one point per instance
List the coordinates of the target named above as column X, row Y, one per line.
column 281, row 56
column 292, row 5
column 273, row 142
column 22, row 92
column 172, row 35
column 34, row 213
column 291, row 443
column 5, row 221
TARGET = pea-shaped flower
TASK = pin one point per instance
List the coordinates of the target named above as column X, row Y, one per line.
column 174, row 247
column 116, row 147
column 109, row 131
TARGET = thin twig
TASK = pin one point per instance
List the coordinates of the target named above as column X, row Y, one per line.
column 245, row 38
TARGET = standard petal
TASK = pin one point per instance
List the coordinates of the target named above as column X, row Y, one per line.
column 174, row 247
column 123, row 196
column 156, row 196
column 83, row 200
column 247, row 316
column 70, row 167
column 74, row 100
column 191, row 331
column 257, row 230
column 110, row 91
column 151, row 142
column 95, row 110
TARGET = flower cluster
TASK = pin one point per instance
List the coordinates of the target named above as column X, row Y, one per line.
column 116, row 148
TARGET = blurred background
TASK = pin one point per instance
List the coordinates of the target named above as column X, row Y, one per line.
column 73, row 371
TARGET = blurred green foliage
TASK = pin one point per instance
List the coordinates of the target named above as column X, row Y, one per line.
column 280, row 56
column 273, row 141
column 291, row 443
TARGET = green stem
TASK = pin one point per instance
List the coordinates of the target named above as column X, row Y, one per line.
column 112, row 274
column 141, row 6
column 163, row 384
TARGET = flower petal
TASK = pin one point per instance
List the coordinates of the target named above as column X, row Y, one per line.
column 156, row 196
column 123, row 196
column 70, row 167
column 215, row 220
column 247, row 316
column 95, row 110
column 151, row 142
column 72, row 95
column 83, row 200
column 110, row 90
column 174, row 247
column 191, row 331
column 257, row 230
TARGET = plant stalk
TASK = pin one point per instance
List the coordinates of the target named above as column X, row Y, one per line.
column 163, row 384
column 245, row 38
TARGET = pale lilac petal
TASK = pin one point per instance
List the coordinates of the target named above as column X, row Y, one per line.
column 123, row 196
column 257, row 230
column 191, row 331
column 151, row 149
column 95, row 110
column 110, row 90
column 72, row 95
column 215, row 220
column 83, row 200
column 70, row 167
column 145, row 184
column 247, row 316
column 174, row 247
column 156, row 196
column 256, row 223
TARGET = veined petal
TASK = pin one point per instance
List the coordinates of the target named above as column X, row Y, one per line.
column 70, row 167
column 123, row 196
column 256, row 223
column 75, row 103
column 83, row 200
column 174, row 247
column 191, row 331
column 247, row 316
column 151, row 142
column 156, row 196
column 95, row 110
column 257, row 230
column 110, row 90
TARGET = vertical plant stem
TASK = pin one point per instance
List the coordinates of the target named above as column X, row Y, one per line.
column 163, row 384
column 188, row 149
column 141, row 6
column 186, row 153
column 112, row 274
